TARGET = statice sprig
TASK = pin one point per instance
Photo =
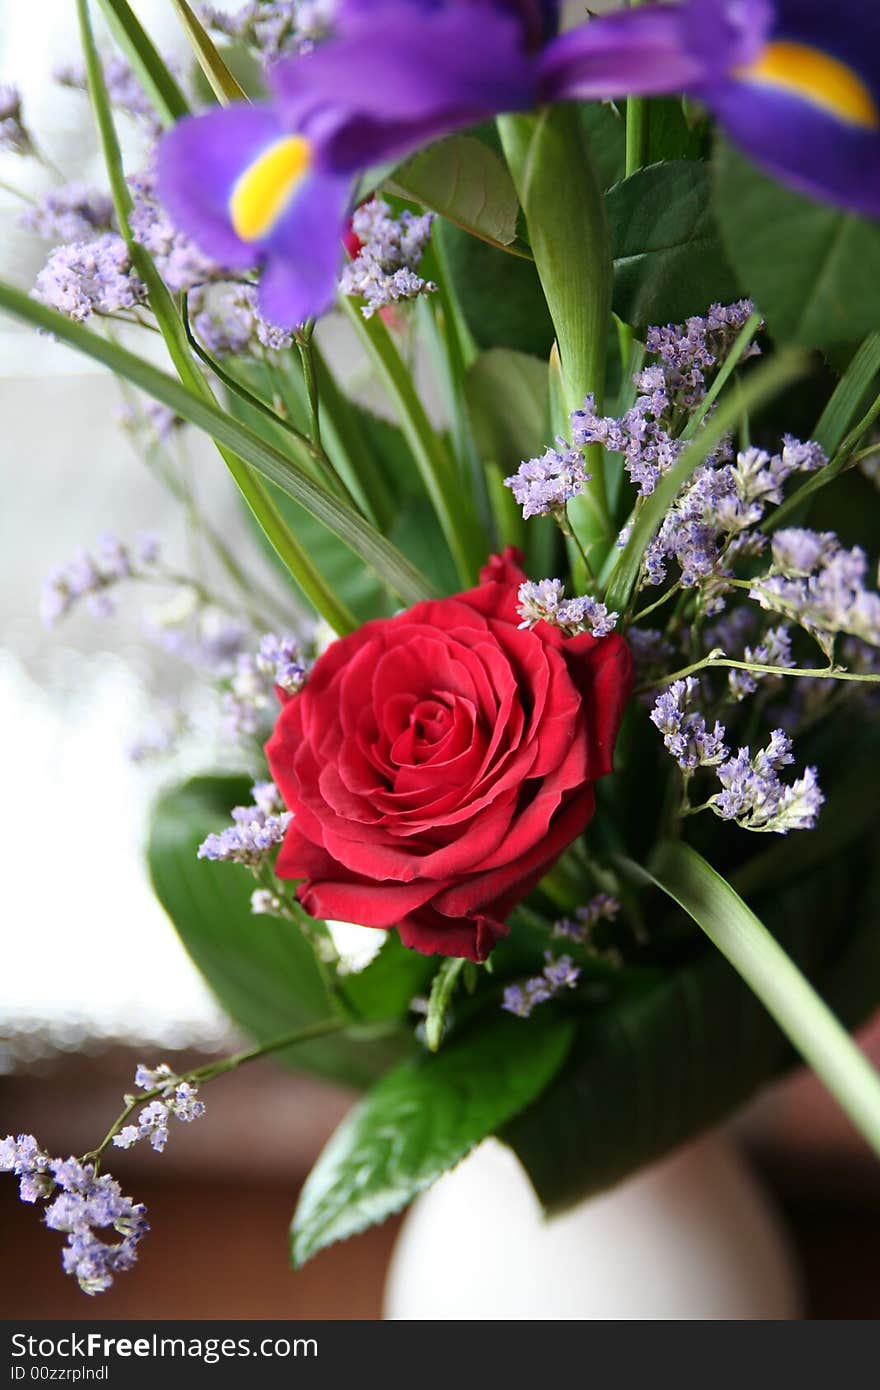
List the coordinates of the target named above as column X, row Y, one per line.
column 819, row 584
column 545, row 601
column 543, row 486
column 173, row 1097
column 385, row 269
column 559, row 974
column 753, row 794
column 90, row 277
column 255, row 832
column 92, row 577
column 76, row 212
column 14, row 134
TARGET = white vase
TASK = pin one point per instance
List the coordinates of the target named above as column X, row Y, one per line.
column 692, row 1238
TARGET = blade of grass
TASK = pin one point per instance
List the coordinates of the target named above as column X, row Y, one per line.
column 222, row 83
column 152, row 73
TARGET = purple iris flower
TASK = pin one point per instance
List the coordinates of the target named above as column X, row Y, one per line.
column 269, row 185
column 795, row 83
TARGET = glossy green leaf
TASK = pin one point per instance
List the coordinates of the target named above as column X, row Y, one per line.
column 154, row 75
column 812, row 269
column 500, row 297
column 419, row 1121
column 465, row 181
column 669, row 261
column 262, row 970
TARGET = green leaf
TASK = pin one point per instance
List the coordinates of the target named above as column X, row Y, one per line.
column 813, row 270
column 224, row 86
column 153, row 74
column 262, row 970
column 669, row 262
column 802, row 1015
column 676, row 1055
column 841, row 410
column 506, row 394
column 420, row 1120
column 500, row 297
column 364, row 540
column 465, row 181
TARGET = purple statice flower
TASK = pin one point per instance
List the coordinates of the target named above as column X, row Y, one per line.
column 157, row 422
column 819, row 584
column 712, row 523
column 14, row 136
column 686, row 734
column 273, row 28
column 281, row 660
column 688, row 352
column 543, row 486
column 91, row 577
column 90, row 277
column 178, row 259
column 385, row 269
column 641, row 435
column 757, row 799
column 602, row 908
column 74, row 213
column 178, row 1100
column 82, row 1203
column 253, row 835
column 256, row 680
column 123, row 88
column 203, row 636
column 227, row 319
column 545, row 601
column 559, row 974
column 774, row 649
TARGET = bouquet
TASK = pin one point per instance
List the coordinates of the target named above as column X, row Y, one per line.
column 571, row 698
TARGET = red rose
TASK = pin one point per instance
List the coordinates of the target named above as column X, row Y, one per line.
column 438, row 762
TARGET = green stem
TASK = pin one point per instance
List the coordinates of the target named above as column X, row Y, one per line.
column 711, row 663
column 756, row 955
column 441, row 993
column 208, row 1072
column 439, row 474
column 552, row 167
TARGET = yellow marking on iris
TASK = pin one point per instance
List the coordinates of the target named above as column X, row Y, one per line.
column 817, row 77
column 263, row 191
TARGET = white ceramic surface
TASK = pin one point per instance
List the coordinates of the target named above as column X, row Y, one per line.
column 692, row 1238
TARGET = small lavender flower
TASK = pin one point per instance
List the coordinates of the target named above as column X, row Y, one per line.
column 819, row 584
column 641, row 435
column 14, row 135
column 255, row 681
column 227, row 319
column 685, row 732
column 280, row 659
column 774, row 649
column 256, row 831
column 602, row 908
column 90, row 277
column 91, row 577
column 689, row 351
column 755, row 797
column 75, row 213
column 384, row 271
column 559, row 974
column 123, row 88
column 178, row 259
column 545, row 601
column 542, row 486
column 273, row 28
column 82, row 1204
column 179, row 1099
